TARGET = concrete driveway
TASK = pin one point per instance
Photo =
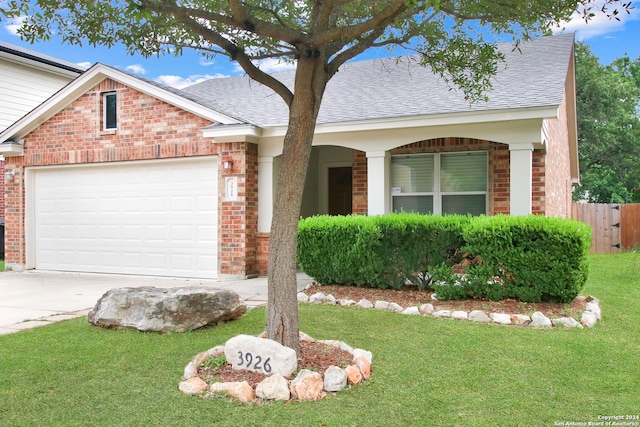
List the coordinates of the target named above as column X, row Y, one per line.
column 35, row 298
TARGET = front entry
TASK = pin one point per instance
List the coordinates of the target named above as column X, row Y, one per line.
column 340, row 190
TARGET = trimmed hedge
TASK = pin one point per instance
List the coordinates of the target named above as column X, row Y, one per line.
column 378, row 251
column 531, row 258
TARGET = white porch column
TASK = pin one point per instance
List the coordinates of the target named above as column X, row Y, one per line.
column 521, row 159
column 265, row 193
column 378, row 165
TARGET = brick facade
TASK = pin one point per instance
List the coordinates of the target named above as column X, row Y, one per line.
column 557, row 166
column 148, row 128
column 1, row 190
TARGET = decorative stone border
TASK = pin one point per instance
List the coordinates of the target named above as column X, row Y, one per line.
column 307, row 385
column 590, row 315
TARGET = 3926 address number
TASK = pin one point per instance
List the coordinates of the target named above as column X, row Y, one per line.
column 247, row 359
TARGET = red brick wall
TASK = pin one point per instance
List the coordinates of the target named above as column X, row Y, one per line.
column 1, row 189
column 557, row 185
column 148, row 128
column 360, row 201
column 238, row 226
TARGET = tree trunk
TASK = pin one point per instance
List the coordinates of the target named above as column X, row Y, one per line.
column 310, row 83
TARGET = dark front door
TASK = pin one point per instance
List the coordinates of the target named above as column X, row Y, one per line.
column 340, row 191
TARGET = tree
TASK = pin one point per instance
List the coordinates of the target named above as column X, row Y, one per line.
column 452, row 37
column 608, row 101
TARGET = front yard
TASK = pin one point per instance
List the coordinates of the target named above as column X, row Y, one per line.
column 426, row 371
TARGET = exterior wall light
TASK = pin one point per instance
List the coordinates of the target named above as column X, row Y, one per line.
column 227, row 164
column 8, row 175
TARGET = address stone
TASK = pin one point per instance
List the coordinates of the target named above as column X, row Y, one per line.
column 245, row 352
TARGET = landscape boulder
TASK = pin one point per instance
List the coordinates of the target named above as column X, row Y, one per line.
column 151, row 309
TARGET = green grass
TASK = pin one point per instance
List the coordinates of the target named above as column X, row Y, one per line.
column 1, row 265
column 426, row 371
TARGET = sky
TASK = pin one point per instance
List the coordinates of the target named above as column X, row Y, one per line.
column 608, row 39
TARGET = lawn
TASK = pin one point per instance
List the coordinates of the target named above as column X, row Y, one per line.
column 426, row 371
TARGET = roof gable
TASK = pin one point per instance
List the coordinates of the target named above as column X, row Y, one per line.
column 91, row 78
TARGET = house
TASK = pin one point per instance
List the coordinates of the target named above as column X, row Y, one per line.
column 117, row 174
column 27, row 79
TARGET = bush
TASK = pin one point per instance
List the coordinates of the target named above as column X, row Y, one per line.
column 378, row 251
column 531, row 258
column 536, row 258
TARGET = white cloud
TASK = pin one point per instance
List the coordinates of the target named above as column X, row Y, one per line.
column 13, row 24
column 270, row 65
column 84, row 65
column 598, row 25
column 180, row 82
column 136, row 69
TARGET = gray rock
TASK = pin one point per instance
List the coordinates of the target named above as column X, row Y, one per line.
column 152, row 309
column 395, row 307
column 335, row 379
column 460, row 315
column 520, row 319
column 479, row 316
column 302, row 297
column 346, row 302
column 358, row 352
column 317, row 298
column 330, row 299
column 594, row 307
column 412, row 311
column 442, row 313
column 363, row 303
column 500, row 318
column 427, row 309
column 589, row 319
column 539, row 320
column 566, row 322
column 240, row 390
column 263, row 355
column 274, row 387
column 381, row 305
column 193, row 386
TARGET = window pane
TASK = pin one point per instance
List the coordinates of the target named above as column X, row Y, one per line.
column 463, row 172
column 110, row 111
column 417, row 204
column 468, row 204
column 412, row 174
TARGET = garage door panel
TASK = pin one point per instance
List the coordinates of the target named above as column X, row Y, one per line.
column 155, row 218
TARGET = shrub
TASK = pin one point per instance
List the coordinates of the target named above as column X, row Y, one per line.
column 531, row 258
column 378, row 251
column 536, row 258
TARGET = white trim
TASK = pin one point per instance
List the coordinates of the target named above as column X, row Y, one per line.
column 11, row 149
column 461, row 118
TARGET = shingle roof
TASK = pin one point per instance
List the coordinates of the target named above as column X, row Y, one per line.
column 385, row 88
column 39, row 57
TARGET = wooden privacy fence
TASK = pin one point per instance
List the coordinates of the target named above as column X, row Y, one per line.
column 615, row 227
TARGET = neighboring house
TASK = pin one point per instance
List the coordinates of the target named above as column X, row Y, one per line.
column 27, row 78
column 117, row 174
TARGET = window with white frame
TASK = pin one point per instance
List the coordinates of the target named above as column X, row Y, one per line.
column 109, row 111
column 440, row 183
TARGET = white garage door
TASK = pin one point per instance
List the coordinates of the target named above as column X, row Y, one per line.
column 150, row 218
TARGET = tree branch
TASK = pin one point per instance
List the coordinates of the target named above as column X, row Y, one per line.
column 382, row 19
column 235, row 53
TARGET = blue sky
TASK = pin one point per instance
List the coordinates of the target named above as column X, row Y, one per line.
column 609, row 39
